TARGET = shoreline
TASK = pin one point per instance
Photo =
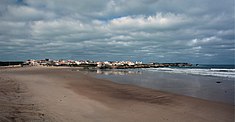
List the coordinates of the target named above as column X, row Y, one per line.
column 198, row 86
column 80, row 97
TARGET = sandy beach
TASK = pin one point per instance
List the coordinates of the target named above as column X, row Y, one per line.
column 64, row 95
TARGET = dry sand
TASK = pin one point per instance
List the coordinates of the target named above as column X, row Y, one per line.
column 64, row 95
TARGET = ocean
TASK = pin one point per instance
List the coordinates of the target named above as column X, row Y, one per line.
column 205, row 70
column 10, row 63
column 209, row 82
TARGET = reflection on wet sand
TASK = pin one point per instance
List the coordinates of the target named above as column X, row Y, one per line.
column 111, row 71
column 118, row 72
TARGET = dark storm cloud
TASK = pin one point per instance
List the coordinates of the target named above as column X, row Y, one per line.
column 149, row 30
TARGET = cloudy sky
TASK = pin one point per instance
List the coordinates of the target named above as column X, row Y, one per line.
column 195, row 31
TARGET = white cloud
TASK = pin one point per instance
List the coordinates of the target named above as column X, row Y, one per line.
column 159, row 20
column 209, row 55
column 26, row 13
column 206, row 40
column 120, row 43
column 164, row 29
column 55, row 28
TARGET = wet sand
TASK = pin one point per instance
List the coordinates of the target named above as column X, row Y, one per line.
column 220, row 89
column 62, row 94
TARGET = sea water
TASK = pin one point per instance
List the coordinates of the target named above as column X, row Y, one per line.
column 205, row 70
column 210, row 82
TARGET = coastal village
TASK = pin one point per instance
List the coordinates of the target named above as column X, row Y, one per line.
column 101, row 65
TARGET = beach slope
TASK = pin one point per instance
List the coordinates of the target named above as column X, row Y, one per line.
column 64, row 94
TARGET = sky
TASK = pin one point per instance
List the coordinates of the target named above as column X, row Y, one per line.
column 194, row 31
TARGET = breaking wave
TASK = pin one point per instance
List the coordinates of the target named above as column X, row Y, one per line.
column 229, row 73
